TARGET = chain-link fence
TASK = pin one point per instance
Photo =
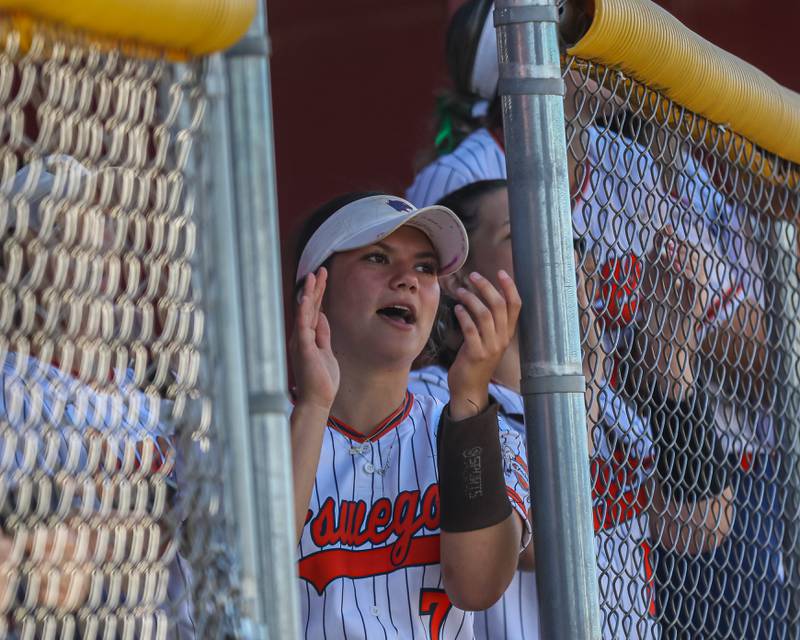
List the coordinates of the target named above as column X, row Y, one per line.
column 114, row 504
column 688, row 276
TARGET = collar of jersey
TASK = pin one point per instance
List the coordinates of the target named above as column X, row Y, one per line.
column 388, row 425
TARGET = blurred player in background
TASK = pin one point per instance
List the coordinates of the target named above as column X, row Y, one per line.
column 607, row 168
column 69, row 439
column 631, row 497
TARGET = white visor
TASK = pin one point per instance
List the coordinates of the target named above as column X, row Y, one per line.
column 485, row 68
column 368, row 220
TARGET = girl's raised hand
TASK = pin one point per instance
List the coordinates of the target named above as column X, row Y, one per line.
column 673, row 297
column 488, row 320
column 315, row 367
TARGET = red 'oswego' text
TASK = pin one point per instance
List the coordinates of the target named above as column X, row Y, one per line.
column 350, row 524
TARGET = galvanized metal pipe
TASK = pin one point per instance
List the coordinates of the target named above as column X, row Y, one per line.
column 231, row 408
column 552, row 378
column 259, row 263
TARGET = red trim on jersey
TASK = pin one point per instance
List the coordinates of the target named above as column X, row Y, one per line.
column 390, row 423
column 497, row 136
column 648, row 576
column 618, row 503
column 619, row 290
column 323, row 567
column 517, row 500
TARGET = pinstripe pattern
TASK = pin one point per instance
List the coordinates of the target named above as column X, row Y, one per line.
column 376, row 598
column 478, row 157
column 39, row 401
column 623, row 193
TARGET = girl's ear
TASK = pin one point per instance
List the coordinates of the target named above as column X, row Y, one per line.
column 450, row 283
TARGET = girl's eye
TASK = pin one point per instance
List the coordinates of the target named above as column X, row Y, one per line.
column 428, row 268
column 377, row 258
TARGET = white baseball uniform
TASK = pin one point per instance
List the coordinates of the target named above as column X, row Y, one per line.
column 622, row 464
column 39, row 401
column 369, row 552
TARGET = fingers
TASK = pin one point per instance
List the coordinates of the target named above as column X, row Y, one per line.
column 305, row 305
column 472, row 337
column 679, row 275
column 320, row 282
column 486, row 307
column 513, row 299
column 311, row 296
column 495, row 313
column 308, row 308
column 323, row 335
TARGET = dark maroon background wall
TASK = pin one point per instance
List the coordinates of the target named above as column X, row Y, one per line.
column 353, row 84
column 352, row 88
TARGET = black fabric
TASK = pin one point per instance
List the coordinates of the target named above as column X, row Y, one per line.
column 691, row 460
column 472, row 488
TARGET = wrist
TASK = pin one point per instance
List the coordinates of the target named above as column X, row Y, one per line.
column 471, row 482
column 467, row 404
column 312, row 409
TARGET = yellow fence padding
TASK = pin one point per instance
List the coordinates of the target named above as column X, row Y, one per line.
column 653, row 47
column 196, row 27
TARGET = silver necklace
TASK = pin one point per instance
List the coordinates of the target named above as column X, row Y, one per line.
column 362, row 448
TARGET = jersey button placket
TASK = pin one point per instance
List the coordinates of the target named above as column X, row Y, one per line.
column 365, row 466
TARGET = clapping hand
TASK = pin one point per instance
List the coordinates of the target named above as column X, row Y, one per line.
column 315, row 367
column 673, row 299
column 488, row 320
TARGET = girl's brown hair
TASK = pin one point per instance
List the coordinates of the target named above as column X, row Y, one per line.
column 445, row 339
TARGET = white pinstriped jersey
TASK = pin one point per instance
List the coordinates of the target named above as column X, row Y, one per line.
column 38, row 400
column 623, row 192
column 369, row 552
column 478, row 157
column 620, row 468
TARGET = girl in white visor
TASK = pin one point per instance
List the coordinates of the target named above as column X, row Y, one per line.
column 409, row 512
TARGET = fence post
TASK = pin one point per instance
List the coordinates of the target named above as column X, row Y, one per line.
column 259, row 262
column 231, row 394
column 552, row 378
column 253, row 406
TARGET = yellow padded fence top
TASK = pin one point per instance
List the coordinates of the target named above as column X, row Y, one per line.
column 652, row 46
column 196, row 27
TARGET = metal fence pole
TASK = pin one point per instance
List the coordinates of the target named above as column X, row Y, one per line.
column 259, row 262
column 231, row 408
column 552, row 377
